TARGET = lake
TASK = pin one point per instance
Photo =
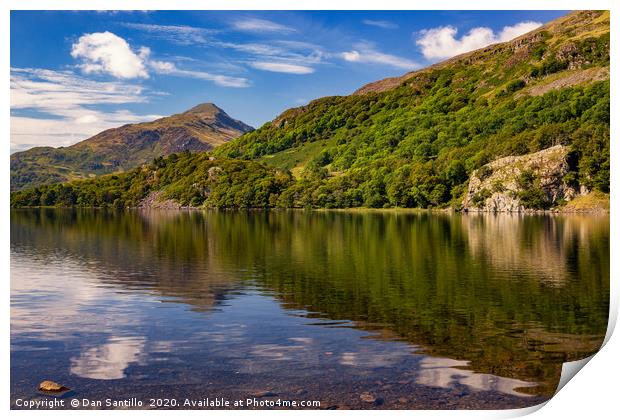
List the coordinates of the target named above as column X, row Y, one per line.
column 353, row 309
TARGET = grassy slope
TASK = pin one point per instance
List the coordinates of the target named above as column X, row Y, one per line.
column 594, row 201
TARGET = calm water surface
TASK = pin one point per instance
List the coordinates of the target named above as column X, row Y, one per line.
column 420, row 310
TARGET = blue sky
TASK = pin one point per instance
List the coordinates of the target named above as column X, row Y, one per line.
column 74, row 74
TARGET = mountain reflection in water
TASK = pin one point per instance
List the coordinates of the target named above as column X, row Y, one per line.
column 447, row 307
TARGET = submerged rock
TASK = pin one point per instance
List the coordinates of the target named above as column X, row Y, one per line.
column 264, row 394
column 367, row 397
column 51, row 386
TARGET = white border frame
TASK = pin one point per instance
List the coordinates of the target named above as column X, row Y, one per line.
column 592, row 394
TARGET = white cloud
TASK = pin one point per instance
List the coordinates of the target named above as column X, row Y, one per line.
column 177, row 34
column 283, row 50
column 383, row 24
column 66, row 102
column 254, row 48
column 27, row 132
column 282, row 56
column 260, row 25
column 441, row 42
column 280, row 67
column 351, row 55
column 162, row 66
column 166, row 67
column 366, row 53
column 218, row 79
column 57, row 91
column 511, row 32
column 105, row 52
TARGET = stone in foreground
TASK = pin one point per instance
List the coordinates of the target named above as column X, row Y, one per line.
column 51, row 386
column 367, row 397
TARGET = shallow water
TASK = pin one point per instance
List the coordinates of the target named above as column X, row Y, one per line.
column 418, row 310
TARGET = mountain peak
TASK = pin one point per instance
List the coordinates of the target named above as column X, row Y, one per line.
column 198, row 129
column 205, row 108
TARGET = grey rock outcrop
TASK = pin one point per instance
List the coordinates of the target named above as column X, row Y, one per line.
column 499, row 185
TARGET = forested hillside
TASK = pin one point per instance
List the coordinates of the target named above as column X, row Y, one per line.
column 413, row 141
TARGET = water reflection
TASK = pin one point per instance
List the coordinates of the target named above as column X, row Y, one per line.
column 539, row 245
column 445, row 373
column 109, row 360
column 488, row 303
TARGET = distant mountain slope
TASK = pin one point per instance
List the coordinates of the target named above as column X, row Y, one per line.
column 414, row 143
column 199, row 129
column 571, row 27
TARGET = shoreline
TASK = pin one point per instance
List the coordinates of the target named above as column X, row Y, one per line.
column 594, row 211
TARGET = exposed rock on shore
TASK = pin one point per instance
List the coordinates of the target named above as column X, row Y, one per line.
column 534, row 181
column 155, row 200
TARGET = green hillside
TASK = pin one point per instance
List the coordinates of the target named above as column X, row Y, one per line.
column 199, row 129
column 411, row 141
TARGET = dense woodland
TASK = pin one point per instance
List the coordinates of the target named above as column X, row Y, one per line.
column 412, row 146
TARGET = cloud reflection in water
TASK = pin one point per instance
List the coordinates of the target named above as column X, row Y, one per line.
column 109, row 360
column 445, row 373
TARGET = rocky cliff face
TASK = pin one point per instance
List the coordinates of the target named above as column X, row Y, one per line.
column 520, row 183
